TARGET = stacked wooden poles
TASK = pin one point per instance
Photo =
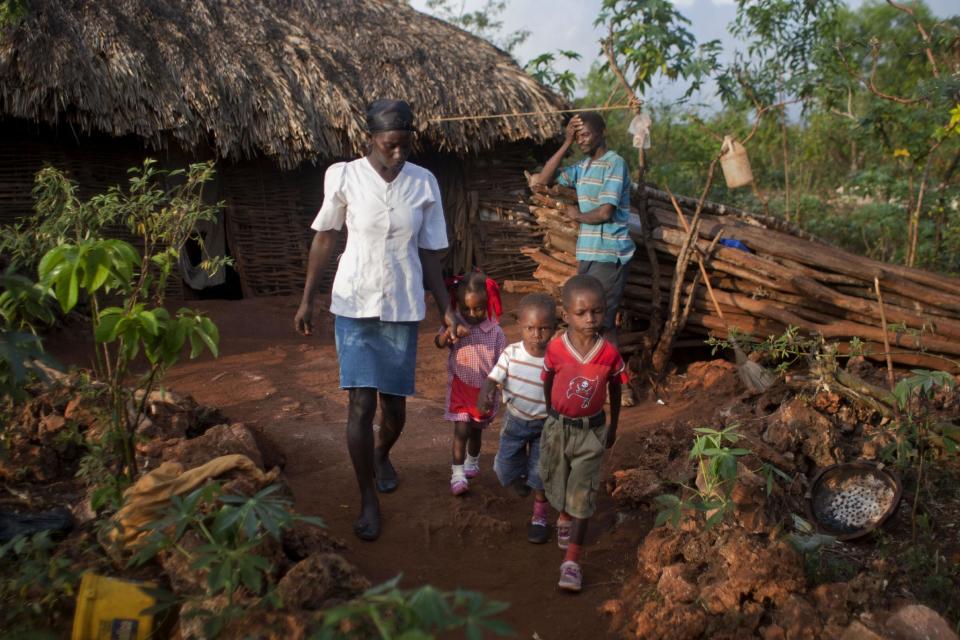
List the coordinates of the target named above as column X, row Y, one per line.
column 773, row 277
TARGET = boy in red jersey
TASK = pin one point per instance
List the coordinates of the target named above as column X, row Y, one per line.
column 579, row 369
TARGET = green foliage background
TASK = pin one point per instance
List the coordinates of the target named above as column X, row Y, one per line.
column 854, row 160
column 866, row 117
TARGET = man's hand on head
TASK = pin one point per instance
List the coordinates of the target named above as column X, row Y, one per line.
column 572, row 128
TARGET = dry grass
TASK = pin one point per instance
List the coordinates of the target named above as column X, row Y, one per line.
column 240, row 78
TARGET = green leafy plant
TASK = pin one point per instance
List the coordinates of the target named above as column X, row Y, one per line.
column 785, row 349
column 819, row 562
column 544, row 71
column 916, row 434
column 12, row 12
column 82, row 270
column 717, row 473
column 228, row 531
column 770, row 473
column 24, row 305
column 484, row 21
column 386, row 612
column 123, row 332
column 915, row 429
column 36, row 586
column 650, row 37
column 231, row 529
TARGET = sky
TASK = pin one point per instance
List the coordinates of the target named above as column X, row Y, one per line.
column 568, row 24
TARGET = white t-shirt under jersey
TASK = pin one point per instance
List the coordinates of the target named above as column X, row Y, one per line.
column 518, row 373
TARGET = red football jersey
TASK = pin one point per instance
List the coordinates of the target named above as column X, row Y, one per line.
column 580, row 383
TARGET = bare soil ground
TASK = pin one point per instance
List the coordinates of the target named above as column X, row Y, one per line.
column 285, row 386
column 739, row 580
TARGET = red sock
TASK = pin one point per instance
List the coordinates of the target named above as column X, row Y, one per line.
column 540, row 511
column 573, row 553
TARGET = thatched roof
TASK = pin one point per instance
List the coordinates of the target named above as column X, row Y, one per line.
column 288, row 79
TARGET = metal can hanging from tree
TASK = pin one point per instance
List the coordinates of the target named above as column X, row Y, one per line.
column 735, row 163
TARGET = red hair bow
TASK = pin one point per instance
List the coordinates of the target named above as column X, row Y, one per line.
column 494, row 304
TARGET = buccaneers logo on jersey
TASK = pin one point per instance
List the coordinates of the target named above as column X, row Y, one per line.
column 583, row 388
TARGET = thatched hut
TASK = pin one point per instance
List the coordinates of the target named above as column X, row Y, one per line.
column 274, row 91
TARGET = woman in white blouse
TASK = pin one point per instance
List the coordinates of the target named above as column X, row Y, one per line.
column 396, row 231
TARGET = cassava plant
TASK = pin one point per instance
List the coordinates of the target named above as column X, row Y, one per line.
column 121, row 288
column 918, row 435
column 716, row 475
column 231, row 530
column 37, row 587
column 385, row 612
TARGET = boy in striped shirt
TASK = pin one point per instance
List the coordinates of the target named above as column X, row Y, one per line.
column 518, row 372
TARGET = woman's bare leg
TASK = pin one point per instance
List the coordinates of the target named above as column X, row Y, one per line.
column 360, row 413
column 393, row 417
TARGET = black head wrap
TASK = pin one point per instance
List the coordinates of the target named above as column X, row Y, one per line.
column 389, row 115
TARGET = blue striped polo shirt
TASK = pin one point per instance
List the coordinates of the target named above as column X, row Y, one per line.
column 602, row 181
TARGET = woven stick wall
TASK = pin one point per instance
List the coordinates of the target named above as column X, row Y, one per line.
column 268, row 211
column 268, row 214
column 488, row 220
column 95, row 165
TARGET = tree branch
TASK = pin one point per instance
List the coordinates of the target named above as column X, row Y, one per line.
column 923, row 34
column 635, row 102
column 875, row 53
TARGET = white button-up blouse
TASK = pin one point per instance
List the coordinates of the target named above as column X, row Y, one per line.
column 379, row 274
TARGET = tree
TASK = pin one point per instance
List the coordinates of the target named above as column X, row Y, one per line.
column 543, row 70
column 484, row 22
column 12, row 11
column 891, row 74
column 650, row 37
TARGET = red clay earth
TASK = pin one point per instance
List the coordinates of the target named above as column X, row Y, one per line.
column 285, row 385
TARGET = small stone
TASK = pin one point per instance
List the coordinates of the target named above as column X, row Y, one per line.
column 859, row 631
column 318, row 578
column 52, row 423
column 918, row 622
column 674, row 586
column 611, row 607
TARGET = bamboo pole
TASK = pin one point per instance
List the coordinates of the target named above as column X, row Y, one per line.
column 886, row 339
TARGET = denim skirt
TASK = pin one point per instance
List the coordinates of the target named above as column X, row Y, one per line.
column 376, row 354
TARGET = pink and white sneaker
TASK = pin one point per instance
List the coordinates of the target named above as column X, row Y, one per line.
column 563, row 533
column 459, row 485
column 471, row 469
column 571, row 577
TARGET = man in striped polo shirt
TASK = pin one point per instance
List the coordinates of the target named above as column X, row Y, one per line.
column 602, row 181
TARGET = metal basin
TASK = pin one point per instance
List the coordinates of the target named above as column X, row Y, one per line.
column 851, row 499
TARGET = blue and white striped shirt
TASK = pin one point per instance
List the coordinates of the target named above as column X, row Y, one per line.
column 602, row 181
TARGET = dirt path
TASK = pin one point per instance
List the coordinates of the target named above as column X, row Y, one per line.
column 285, row 385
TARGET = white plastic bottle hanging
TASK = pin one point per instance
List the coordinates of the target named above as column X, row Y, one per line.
column 735, row 163
column 639, row 128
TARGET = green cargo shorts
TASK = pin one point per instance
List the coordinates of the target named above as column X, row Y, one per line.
column 570, row 458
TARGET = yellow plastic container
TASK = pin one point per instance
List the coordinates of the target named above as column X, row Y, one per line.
column 109, row 609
